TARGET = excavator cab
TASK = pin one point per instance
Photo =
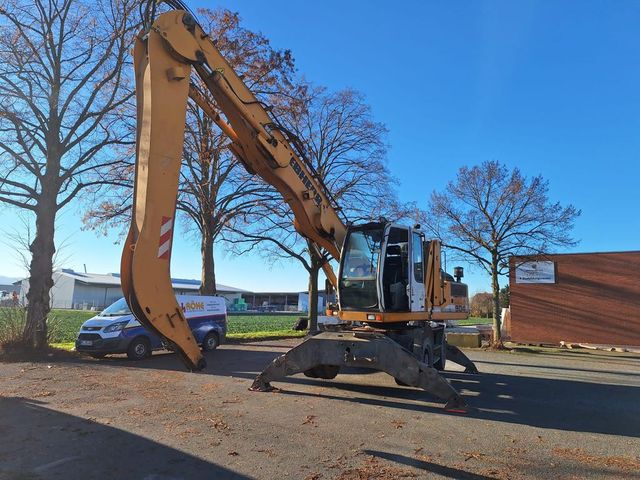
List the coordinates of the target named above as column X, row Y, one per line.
column 382, row 269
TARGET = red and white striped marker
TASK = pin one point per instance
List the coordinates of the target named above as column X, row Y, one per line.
column 164, row 246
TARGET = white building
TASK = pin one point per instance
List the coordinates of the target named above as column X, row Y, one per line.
column 95, row 291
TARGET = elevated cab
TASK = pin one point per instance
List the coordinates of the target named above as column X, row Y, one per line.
column 382, row 269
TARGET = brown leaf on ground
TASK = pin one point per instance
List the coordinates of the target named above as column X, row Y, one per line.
column 267, row 451
column 218, row 423
column 498, row 474
column 310, row 420
column 313, row 476
column 43, row 394
column 398, row 424
column 233, row 453
column 425, row 458
column 233, row 400
column 623, row 463
column 373, row 469
column 474, row 455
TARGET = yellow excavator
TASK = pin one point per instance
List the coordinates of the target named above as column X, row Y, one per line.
column 392, row 296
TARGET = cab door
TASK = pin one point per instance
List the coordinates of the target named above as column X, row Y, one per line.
column 417, row 273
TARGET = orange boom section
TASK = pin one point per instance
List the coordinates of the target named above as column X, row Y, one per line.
column 163, row 58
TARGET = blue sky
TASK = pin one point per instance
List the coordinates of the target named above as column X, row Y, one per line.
column 549, row 87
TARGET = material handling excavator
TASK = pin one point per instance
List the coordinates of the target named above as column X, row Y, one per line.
column 392, row 295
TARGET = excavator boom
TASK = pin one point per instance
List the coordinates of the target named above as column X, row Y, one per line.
column 164, row 57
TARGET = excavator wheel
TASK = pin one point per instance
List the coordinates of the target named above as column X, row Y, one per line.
column 326, row 372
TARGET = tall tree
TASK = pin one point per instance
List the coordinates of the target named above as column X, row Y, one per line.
column 346, row 148
column 215, row 187
column 61, row 86
column 490, row 213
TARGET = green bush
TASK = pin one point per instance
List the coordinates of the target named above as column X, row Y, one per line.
column 12, row 322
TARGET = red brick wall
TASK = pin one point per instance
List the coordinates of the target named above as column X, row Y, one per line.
column 596, row 299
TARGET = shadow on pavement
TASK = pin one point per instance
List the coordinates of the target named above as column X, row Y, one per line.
column 566, row 369
column 505, row 468
column 433, row 468
column 66, row 447
column 561, row 404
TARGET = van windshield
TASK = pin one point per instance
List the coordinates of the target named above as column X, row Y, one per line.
column 116, row 309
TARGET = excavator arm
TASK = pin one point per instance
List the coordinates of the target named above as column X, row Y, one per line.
column 164, row 57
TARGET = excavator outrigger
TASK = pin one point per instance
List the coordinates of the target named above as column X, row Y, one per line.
column 392, row 294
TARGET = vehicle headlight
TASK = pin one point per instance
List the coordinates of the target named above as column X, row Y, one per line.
column 116, row 327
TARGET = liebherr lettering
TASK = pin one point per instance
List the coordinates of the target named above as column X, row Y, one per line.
column 317, row 199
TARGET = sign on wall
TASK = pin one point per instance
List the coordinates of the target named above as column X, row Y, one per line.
column 536, row 272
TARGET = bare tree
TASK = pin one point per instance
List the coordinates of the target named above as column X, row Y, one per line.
column 490, row 213
column 214, row 186
column 481, row 304
column 61, row 86
column 346, row 149
column 269, row 229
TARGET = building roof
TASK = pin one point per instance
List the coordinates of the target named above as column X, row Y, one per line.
column 113, row 279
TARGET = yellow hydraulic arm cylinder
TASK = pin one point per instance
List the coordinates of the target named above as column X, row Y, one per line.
column 163, row 60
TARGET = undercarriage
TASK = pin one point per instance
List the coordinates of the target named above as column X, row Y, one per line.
column 411, row 354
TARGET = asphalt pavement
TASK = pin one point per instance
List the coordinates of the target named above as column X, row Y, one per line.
column 567, row 415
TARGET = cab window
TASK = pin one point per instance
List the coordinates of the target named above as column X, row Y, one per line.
column 418, row 268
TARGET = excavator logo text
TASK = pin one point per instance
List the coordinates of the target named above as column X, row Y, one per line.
column 317, row 199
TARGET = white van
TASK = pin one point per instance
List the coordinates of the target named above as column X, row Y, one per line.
column 116, row 330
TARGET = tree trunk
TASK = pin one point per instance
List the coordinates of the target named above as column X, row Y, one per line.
column 495, row 287
column 41, row 273
column 208, row 285
column 315, row 263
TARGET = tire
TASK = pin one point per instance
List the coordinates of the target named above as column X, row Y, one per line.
column 442, row 361
column 210, row 342
column 326, row 372
column 139, row 348
column 97, row 355
column 428, row 356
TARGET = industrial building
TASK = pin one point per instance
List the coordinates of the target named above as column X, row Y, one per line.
column 589, row 298
column 95, row 291
column 282, row 301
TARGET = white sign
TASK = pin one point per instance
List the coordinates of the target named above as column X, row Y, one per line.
column 536, row 272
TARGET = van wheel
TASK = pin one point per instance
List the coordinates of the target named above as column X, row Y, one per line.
column 139, row 348
column 210, row 342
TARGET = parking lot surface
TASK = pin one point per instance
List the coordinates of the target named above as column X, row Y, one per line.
column 565, row 415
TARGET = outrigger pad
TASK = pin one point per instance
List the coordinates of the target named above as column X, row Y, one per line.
column 457, row 356
column 359, row 349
